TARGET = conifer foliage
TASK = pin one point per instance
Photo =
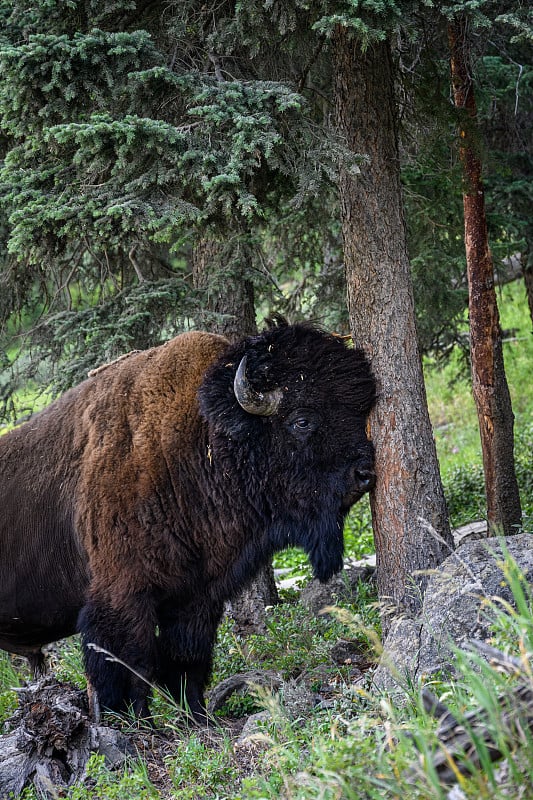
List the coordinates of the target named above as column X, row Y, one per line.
column 128, row 130
column 132, row 131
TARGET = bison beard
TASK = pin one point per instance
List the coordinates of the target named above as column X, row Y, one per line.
column 138, row 503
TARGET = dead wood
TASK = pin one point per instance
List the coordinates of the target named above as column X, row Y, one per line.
column 50, row 739
column 242, row 681
column 461, row 740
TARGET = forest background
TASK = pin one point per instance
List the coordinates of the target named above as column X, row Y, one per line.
column 177, row 165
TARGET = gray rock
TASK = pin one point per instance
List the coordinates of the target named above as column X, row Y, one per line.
column 317, row 596
column 398, row 663
column 298, row 699
column 455, row 610
column 111, row 744
column 241, row 682
column 470, row 532
column 349, row 651
column 253, row 736
column 248, row 609
column 12, row 766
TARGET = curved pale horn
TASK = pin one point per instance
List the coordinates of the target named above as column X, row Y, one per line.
column 264, row 404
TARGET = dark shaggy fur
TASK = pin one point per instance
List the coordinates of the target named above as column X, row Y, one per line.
column 134, row 506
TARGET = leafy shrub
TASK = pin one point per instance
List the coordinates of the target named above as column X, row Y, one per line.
column 197, row 768
column 68, row 665
column 296, row 643
column 101, row 782
column 114, row 785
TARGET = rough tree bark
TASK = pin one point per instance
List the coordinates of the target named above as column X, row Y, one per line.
column 489, row 384
column 410, row 520
column 232, row 297
column 230, row 308
column 528, row 282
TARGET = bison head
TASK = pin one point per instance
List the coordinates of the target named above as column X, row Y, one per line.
column 287, row 413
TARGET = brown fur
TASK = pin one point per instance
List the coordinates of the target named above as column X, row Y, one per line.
column 135, row 505
column 129, row 445
column 103, row 445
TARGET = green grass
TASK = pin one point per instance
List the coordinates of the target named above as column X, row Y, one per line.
column 131, row 783
column 351, row 744
column 9, row 678
column 297, row 644
column 454, row 417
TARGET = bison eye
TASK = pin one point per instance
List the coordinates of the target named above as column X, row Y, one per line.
column 302, row 424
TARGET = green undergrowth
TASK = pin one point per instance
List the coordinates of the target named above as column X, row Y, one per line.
column 454, row 418
column 9, row 679
column 296, row 644
column 450, row 400
column 351, row 742
column 464, row 484
column 374, row 747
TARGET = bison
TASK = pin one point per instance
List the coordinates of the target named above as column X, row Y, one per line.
column 141, row 500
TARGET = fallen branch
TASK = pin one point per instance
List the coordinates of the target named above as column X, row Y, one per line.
column 242, row 681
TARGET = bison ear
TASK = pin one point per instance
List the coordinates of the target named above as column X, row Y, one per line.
column 263, row 404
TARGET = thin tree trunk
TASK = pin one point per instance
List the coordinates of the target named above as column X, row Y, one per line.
column 489, row 384
column 230, row 308
column 528, row 282
column 410, row 520
column 230, row 311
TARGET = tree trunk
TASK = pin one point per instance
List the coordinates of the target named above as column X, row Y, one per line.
column 528, row 282
column 489, row 384
column 230, row 308
column 230, row 311
column 410, row 520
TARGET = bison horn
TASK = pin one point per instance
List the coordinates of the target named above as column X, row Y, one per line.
column 264, row 404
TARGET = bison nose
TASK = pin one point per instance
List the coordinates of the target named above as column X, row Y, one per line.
column 361, row 481
column 364, row 480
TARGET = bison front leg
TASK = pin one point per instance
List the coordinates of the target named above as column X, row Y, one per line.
column 185, row 655
column 119, row 651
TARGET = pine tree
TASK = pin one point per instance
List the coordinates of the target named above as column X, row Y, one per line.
column 132, row 131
